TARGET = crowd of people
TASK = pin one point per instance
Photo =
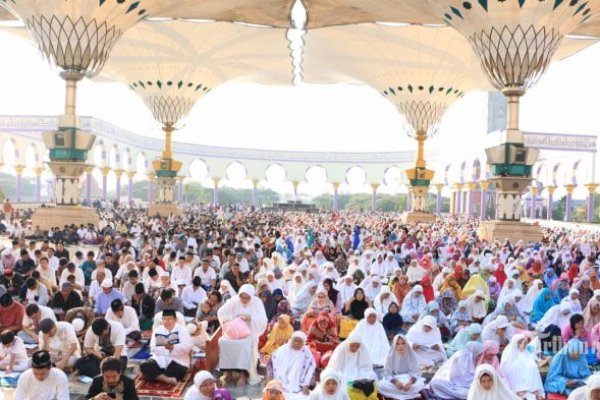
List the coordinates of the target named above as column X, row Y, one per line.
column 319, row 306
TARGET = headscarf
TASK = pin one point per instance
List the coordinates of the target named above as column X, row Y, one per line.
column 373, row 337
column 401, row 288
column 304, row 298
column 427, row 288
column 392, row 322
column 315, row 332
column 351, row 366
column 560, row 293
column 382, row 305
column 590, row 319
column 541, row 305
column 451, row 307
column 519, row 368
column 273, row 385
column 550, row 277
column 270, row 304
column 573, row 272
column 531, row 296
column 400, row 364
column 462, row 338
column 450, row 283
column 500, row 275
column 358, row 307
column 278, row 334
column 563, row 367
column 489, row 355
column 474, row 284
column 416, row 333
column 499, row 390
column 319, row 392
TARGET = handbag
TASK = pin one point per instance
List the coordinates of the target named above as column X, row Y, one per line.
column 236, row 329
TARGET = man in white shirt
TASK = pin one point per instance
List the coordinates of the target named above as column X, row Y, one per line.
column 60, row 340
column 102, row 339
column 96, row 287
column 42, row 382
column 170, row 347
column 192, row 296
column 34, row 314
column 182, row 271
column 207, row 274
column 75, row 271
column 127, row 317
column 52, row 259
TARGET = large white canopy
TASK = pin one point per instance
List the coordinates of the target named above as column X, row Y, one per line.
column 341, row 12
column 171, row 64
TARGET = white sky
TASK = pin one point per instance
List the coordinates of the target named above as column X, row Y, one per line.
column 305, row 117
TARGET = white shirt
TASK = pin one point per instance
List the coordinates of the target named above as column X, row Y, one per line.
column 17, row 348
column 130, row 320
column 192, row 297
column 107, row 272
column 182, row 273
column 62, row 340
column 46, row 313
column 79, row 278
column 55, row 386
column 94, row 290
column 117, row 337
column 181, row 351
column 206, row 276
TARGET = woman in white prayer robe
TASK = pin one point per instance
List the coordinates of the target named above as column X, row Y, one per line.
column 242, row 354
column 351, row 360
column 294, row 365
column 401, row 374
column 488, row 386
column 413, row 305
column 295, row 287
column 346, row 287
column 426, row 340
column 520, row 370
column 373, row 337
column 383, row 300
column 454, row 378
column 330, row 387
column 591, row 391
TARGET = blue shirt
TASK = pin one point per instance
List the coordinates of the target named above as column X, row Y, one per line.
column 103, row 301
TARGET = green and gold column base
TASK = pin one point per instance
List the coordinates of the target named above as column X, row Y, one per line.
column 417, row 214
column 164, row 194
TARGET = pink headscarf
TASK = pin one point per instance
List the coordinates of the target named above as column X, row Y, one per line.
column 489, row 355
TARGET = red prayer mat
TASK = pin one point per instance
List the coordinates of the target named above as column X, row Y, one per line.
column 160, row 389
column 555, row 396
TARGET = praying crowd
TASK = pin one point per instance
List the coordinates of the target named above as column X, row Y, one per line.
column 315, row 306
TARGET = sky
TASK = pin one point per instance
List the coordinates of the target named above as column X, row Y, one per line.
column 335, row 117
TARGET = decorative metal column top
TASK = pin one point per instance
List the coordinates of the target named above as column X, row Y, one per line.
column 78, row 35
column 515, row 40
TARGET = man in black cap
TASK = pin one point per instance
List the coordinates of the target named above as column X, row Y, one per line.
column 42, row 381
column 170, row 347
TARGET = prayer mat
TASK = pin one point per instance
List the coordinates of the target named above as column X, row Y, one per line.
column 160, row 389
column 9, row 381
column 556, row 396
column 427, row 394
column 142, row 354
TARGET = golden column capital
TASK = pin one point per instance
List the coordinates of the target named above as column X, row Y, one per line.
column 130, row 175
column 550, row 189
column 471, row 185
column 534, row 190
column 181, row 178
column 255, row 183
column 217, row 181
column 374, row 186
column 119, row 172
column 89, row 169
column 38, row 171
column 484, row 185
column 295, row 184
column 19, row 169
column 459, row 186
column 151, row 176
column 336, row 185
column 570, row 188
column 592, row 187
column 105, row 171
column 439, row 186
